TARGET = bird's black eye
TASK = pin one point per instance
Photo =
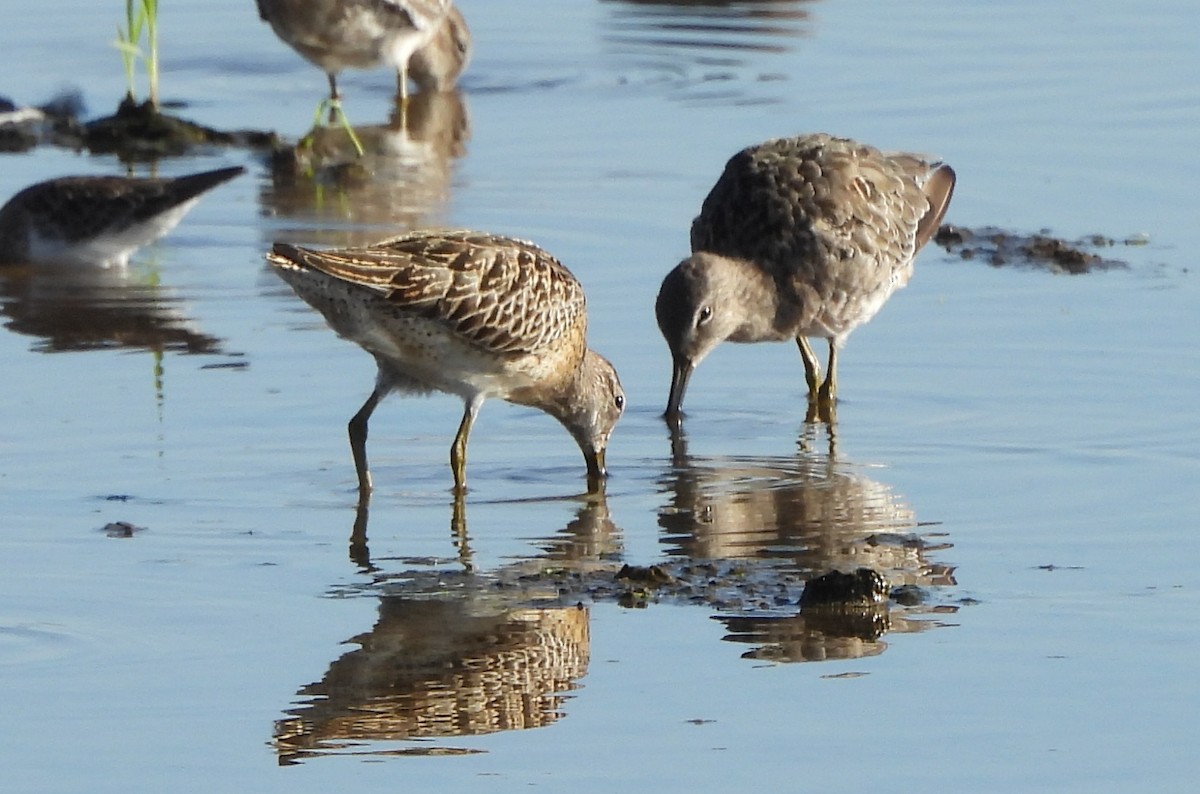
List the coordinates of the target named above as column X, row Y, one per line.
column 619, row 400
column 704, row 315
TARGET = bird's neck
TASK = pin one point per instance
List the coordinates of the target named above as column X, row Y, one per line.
column 766, row 314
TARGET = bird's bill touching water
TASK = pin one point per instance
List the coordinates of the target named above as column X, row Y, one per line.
column 597, row 473
column 680, row 374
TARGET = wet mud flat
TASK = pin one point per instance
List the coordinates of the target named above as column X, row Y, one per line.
column 1042, row 250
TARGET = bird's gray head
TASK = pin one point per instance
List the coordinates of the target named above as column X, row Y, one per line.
column 438, row 65
column 591, row 411
column 695, row 314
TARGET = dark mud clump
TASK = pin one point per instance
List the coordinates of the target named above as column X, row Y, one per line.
column 56, row 122
column 861, row 587
column 137, row 131
column 140, row 131
column 1000, row 248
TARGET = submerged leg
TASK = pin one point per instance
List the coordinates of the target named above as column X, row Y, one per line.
column 458, row 450
column 812, row 367
column 358, row 440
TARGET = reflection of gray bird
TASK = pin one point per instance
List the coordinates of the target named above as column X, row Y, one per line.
column 402, row 180
column 465, row 313
column 800, row 237
column 97, row 220
column 819, row 514
column 67, row 307
column 425, row 39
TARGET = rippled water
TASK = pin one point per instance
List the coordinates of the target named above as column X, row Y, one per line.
column 1019, row 446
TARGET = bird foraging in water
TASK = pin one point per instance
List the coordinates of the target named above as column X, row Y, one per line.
column 799, row 237
column 97, row 220
column 438, row 65
column 467, row 313
column 336, row 34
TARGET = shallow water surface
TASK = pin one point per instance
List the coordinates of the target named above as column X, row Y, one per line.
column 1016, row 450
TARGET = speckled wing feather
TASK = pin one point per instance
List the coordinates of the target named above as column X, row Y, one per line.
column 816, row 210
column 504, row 295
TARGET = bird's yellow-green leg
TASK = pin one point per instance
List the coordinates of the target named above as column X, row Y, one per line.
column 333, row 103
column 402, row 84
column 358, row 442
column 812, row 367
column 336, row 110
column 828, row 391
column 458, row 450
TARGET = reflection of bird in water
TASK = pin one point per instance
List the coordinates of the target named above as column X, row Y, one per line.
column 97, row 220
column 817, row 514
column 427, row 40
column 458, row 665
column 402, row 180
column 76, row 308
column 807, row 516
column 466, row 313
column 800, row 237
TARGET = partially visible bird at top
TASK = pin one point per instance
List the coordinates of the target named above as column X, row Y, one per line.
column 97, row 220
column 425, row 39
column 800, row 237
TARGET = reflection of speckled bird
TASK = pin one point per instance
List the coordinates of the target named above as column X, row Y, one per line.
column 466, row 313
column 97, row 220
column 800, row 237
column 425, row 39
column 438, row 667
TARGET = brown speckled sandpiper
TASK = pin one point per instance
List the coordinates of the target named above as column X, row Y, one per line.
column 467, row 313
column 361, row 34
column 804, row 236
column 98, row 220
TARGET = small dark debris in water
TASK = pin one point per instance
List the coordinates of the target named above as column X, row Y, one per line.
column 122, row 529
column 633, row 599
column 228, row 365
column 139, row 131
column 17, row 138
column 851, row 674
column 861, row 588
column 909, row 595
column 699, row 721
column 1000, row 248
column 651, row 576
column 118, row 497
column 1053, row 567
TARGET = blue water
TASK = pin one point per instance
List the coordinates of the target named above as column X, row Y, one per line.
column 1037, row 432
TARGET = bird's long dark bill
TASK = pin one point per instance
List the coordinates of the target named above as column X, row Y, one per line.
column 679, row 381
column 597, row 473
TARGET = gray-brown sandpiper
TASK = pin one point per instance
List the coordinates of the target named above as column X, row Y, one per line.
column 98, row 220
column 800, row 237
column 361, row 34
column 467, row 313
